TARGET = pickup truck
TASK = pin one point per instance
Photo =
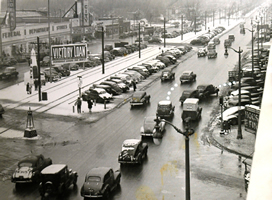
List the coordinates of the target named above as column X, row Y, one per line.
column 212, row 53
column 8, row 73
column 100, row 182
column 187, row 76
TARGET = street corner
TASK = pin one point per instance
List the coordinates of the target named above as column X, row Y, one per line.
column 228, row 140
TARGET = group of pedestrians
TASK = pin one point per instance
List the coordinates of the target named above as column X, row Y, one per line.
column 78, row 104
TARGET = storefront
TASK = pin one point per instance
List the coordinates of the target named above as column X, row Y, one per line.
column 24, row 37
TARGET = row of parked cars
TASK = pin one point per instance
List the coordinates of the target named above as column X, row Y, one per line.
column 121, row 82
column 251, row 86
column 205, row 38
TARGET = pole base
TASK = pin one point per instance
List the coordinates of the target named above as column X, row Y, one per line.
column 29, row 133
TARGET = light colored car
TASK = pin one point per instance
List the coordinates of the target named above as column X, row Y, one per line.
column 133, row 152
column 231, row 115
column 149, row 126
column 29, row 169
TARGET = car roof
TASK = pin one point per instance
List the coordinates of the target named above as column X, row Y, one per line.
column 139, row 93
column 53, row 169
column 187, row 72
column 191, row 100
column 98, row 171
column 132, row 142
column 164, row 102
column 232, row 110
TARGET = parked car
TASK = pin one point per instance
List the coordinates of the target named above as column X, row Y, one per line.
column 9, row 72
column 167, row 75
column 133, row 152
column 72, row 66
column 187, row 76
column 136, row 76
column 108, row 88
column 56, row 179
column 149, row 127
column 190, row 93
column 165, row 109
column 231, row 115
column 202, row 52
column 61, row 70
column 164, row 59
column 206, row 90
column 123, row 77
column 100, row 182
column 143, row 72
column 29, row 169
column 45, row 61
column 139, row 98
column 98, row 95
column 124, row 86
column 2, row 110
column 117, row 90
column 54, row 74
column 191, row 109
column 155, row 40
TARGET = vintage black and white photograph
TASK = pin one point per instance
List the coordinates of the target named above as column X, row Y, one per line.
column 135, row 99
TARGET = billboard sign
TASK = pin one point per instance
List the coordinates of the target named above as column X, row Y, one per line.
column 251, row 118
column 69, row 53
column 86, row 18
column 11, row 7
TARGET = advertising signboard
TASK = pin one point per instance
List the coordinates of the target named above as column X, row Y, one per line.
column 69, row 53
column 11, row 7
column 251, row 118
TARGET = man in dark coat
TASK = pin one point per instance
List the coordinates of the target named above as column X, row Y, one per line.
column 90, row 105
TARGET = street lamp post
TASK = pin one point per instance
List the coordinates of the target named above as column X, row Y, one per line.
column 164, row 32
column 181, row 27
column 252, row 47
column 188, row 131
column 239, row 134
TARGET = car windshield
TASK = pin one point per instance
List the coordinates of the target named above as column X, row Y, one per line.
column 186, row 93
column 25, row 164
column 186, row 74
column 201, row 87
column 94, row 179
column 102, row 92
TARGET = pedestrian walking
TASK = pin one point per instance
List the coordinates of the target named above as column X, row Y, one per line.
column 90, row 105
column 30, row 89
column 27, row 88
column 134, row 85
column 36, row 84
column 78, row 104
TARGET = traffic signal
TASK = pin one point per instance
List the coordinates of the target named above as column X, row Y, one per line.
column 35, row 72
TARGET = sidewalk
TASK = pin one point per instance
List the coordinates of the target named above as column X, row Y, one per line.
column 229, row 142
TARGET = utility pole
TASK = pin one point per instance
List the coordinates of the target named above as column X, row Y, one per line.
column 164, row 32
column 103, row 63
column 181, row 27
column 139, row 40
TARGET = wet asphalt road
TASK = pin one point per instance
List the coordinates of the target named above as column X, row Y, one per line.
column 162, row 176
